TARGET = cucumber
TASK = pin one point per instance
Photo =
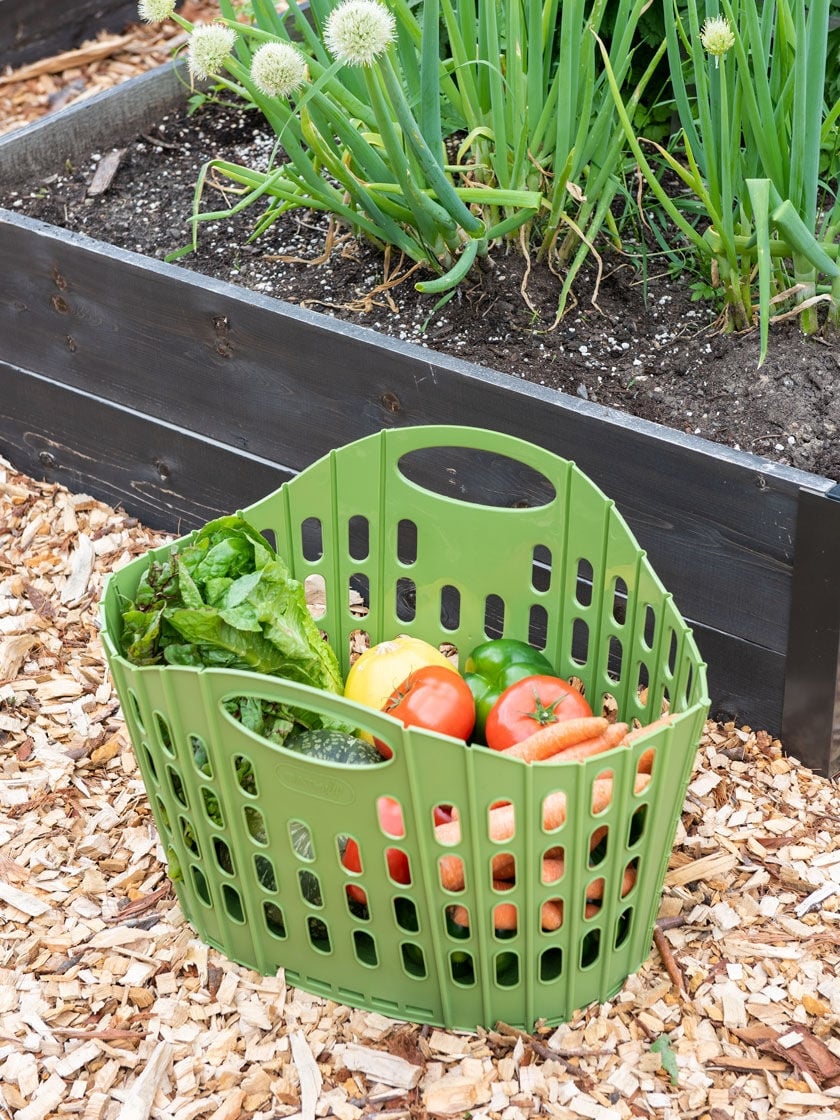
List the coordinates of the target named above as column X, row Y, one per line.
column 334, row 746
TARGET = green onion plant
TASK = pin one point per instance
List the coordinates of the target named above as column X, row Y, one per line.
column 757, row 148
column 436, row 127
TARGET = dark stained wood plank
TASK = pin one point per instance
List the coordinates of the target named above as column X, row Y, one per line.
column 811, row 726
column 169, row 478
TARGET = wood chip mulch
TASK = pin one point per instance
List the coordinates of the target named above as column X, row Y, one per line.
column 39, row 88
column 110, row 1007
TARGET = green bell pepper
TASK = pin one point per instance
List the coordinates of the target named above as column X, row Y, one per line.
column 495, row 665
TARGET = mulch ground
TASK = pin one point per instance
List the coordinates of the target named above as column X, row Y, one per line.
column 112, row 1008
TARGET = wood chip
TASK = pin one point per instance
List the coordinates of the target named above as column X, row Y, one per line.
column 308, row 1073
column 112, row 1009
column 106, row 169
column 378, row 1065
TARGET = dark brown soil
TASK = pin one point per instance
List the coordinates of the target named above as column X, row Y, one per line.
column 644, row 346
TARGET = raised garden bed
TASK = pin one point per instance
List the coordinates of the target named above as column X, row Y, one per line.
column 180, row 396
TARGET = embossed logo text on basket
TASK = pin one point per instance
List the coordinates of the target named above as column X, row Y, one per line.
column 325, row 786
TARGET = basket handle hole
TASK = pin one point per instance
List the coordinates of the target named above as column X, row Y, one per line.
column 476, row 476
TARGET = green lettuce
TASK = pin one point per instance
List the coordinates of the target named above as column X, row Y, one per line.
column 225, row 599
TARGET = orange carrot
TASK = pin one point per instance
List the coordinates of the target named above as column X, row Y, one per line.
column 646, row 761
column 611, row 737
column 638, row 732
column 645, row 764
column 451, row 867
column 556, row 737
column 552, row 870
column 505, row 915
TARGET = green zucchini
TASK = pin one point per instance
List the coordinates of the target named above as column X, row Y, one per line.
column 334, row 746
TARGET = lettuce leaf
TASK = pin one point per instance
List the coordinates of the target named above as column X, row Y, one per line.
column 226, row 599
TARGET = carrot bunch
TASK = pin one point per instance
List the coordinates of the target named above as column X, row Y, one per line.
column 575, row 740
column 501, row 828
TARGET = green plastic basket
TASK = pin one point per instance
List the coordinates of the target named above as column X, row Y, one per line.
column 401, row 520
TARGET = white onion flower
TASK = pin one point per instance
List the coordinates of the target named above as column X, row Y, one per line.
column 717, row 37
column 210, row 45
column 359, row 31
column 155, row 11
column 278, row 69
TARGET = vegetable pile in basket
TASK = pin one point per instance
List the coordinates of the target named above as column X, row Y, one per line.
column 226, row 599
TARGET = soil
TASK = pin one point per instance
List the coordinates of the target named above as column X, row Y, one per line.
column 646, row 346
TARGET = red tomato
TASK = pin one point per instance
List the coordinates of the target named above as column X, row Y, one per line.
column 530, row 704
column 435, row 698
